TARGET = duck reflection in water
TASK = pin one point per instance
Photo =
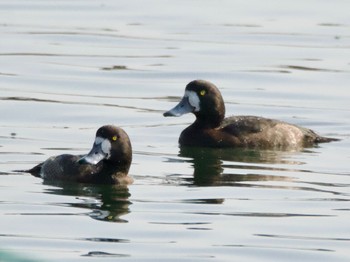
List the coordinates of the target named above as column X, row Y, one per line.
column 209, row 165
column 105, row 202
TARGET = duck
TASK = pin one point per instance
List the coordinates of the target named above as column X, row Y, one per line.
column 108, row 161
column 212, row 129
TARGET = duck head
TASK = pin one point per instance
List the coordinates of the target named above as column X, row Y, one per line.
column 112, row 146
column 204, row 100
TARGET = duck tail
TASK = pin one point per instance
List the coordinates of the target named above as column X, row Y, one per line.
column 35, row 171
column 322, row 139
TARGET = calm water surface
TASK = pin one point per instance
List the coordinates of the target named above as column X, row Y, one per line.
column 68, row 67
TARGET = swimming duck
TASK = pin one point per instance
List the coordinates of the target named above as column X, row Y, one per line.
column 108, row 162
column 212, row 129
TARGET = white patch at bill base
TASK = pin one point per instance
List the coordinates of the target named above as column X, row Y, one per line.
column 106, row 147
column 193, row 99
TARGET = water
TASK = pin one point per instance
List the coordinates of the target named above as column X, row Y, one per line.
column 68, row 67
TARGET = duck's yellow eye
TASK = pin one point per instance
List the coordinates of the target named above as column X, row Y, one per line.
column 202, row 92
column 114, row 138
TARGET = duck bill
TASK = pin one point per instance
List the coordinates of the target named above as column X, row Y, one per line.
column 183, row 107
column 95, row 156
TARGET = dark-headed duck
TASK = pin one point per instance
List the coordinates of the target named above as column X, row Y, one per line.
column 212, row 129
column 108, row 162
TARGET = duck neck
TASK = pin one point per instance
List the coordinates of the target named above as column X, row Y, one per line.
column 209, row 120
column 114, row 167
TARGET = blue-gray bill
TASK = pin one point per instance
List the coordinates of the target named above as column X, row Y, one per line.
column 183, row 107
column 94, row 156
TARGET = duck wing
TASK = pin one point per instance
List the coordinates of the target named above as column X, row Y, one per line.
column 64, row 167
column 247, row 125
column 253, row 131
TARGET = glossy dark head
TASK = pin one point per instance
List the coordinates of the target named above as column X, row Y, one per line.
column 112, row 145
column 204, row 100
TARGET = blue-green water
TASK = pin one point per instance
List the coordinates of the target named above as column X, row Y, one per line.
column 68, row 67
